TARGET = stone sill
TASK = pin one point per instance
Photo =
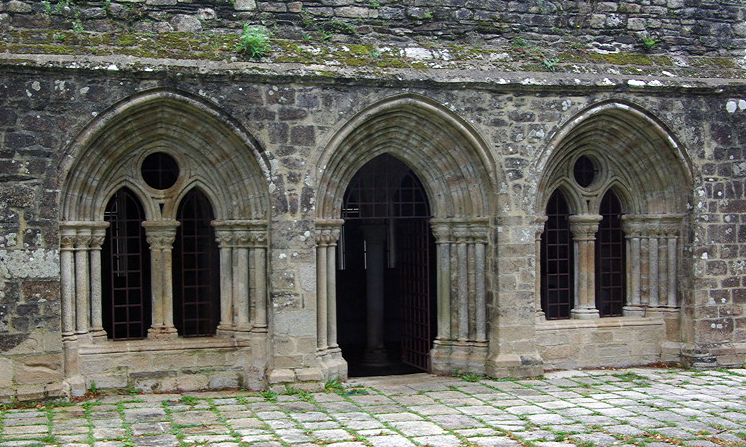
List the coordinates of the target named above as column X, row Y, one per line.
column 177, row 344
column 600, row 323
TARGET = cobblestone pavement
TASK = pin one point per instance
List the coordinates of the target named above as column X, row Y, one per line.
column 652, row 407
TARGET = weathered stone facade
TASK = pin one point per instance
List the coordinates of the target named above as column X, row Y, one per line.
column 274, row 145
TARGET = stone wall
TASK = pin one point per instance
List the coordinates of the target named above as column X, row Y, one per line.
column 294, row 119
column 614, row 342
column 714, row 27
column 160, row 367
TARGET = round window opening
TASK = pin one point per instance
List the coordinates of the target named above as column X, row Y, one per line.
column 584, row 171
column 160, row 171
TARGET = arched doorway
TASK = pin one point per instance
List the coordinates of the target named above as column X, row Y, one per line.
column 386, row 296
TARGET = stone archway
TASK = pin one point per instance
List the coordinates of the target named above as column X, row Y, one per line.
column 456, row 170
column 214, row 156
column 632, row 157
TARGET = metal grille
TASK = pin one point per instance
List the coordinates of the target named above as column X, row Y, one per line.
column 196, row 272
column 385, row 188
column 557, row 260
column 610, row 258
column 126, row 303
column 159, row 170
column 414, row 286
column 584, row 171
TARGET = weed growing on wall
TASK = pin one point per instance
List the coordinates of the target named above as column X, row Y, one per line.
column 254, row 41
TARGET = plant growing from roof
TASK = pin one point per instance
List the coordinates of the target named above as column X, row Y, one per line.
column 254, row 41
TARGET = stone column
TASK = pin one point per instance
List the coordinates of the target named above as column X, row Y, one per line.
column 160, row 236
column 97, row 327
column 67, row 280
column 480, row 266
column 461, row 341
column 462, row 288
column 82, row 282
column 331, row 288
column 670, row 226
column 652, row 260
column 224, row 237
column 538, row 231
column 322, row 241
column 243, row 280
column 241, row 287
column 80, row 268
column 442, row 234
column 258, row 256
column 633, row 230
column 327, row 235
column 375, row 239
column 584, row 228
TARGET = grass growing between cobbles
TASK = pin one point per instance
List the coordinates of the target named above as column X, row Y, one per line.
column 642, row 407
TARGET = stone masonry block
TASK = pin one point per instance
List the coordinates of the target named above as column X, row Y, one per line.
column 6, row 372
column 245, row 5
column 309, row 375
column 281, row 376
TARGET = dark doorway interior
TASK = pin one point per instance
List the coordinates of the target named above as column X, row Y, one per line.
column 386, row 272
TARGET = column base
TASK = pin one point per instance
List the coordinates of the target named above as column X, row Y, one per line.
column 693, row 356
column 75, row 386
column 633, row 311
column 242, row 332
column 449, row 356
column 333, row 365
column 585, row 313
column 84, row 337
column 163, row 332
column 98, row 335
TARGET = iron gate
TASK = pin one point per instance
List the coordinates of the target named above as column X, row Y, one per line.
column 414, row 287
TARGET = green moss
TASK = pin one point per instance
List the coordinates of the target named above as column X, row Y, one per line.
column 367, row 59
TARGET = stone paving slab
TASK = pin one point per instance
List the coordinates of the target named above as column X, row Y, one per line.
column 638, row 406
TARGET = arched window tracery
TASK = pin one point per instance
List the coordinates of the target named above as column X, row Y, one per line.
column 180, row 191
column 626, row 216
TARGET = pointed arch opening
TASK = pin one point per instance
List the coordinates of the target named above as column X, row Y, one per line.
column 610, row 258
column 457, row 174
column 196, row 268
column 557, row 260
column 126, row 304
column 385, row 276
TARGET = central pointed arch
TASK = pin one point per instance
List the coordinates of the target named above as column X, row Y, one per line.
column 446, row 153
column 458, row 174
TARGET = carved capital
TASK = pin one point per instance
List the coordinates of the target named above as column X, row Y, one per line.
column 328, row 231
column 97, row 238
column 240, row 233
column 538, row 224
column 82, row 234
column 441, row 231
column 584, row 226
column 83, row 240
column 67, row 238
column 324, row 237
column 160, row 234
column 651, row 225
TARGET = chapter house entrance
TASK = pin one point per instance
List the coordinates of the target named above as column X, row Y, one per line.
column 386, row 272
